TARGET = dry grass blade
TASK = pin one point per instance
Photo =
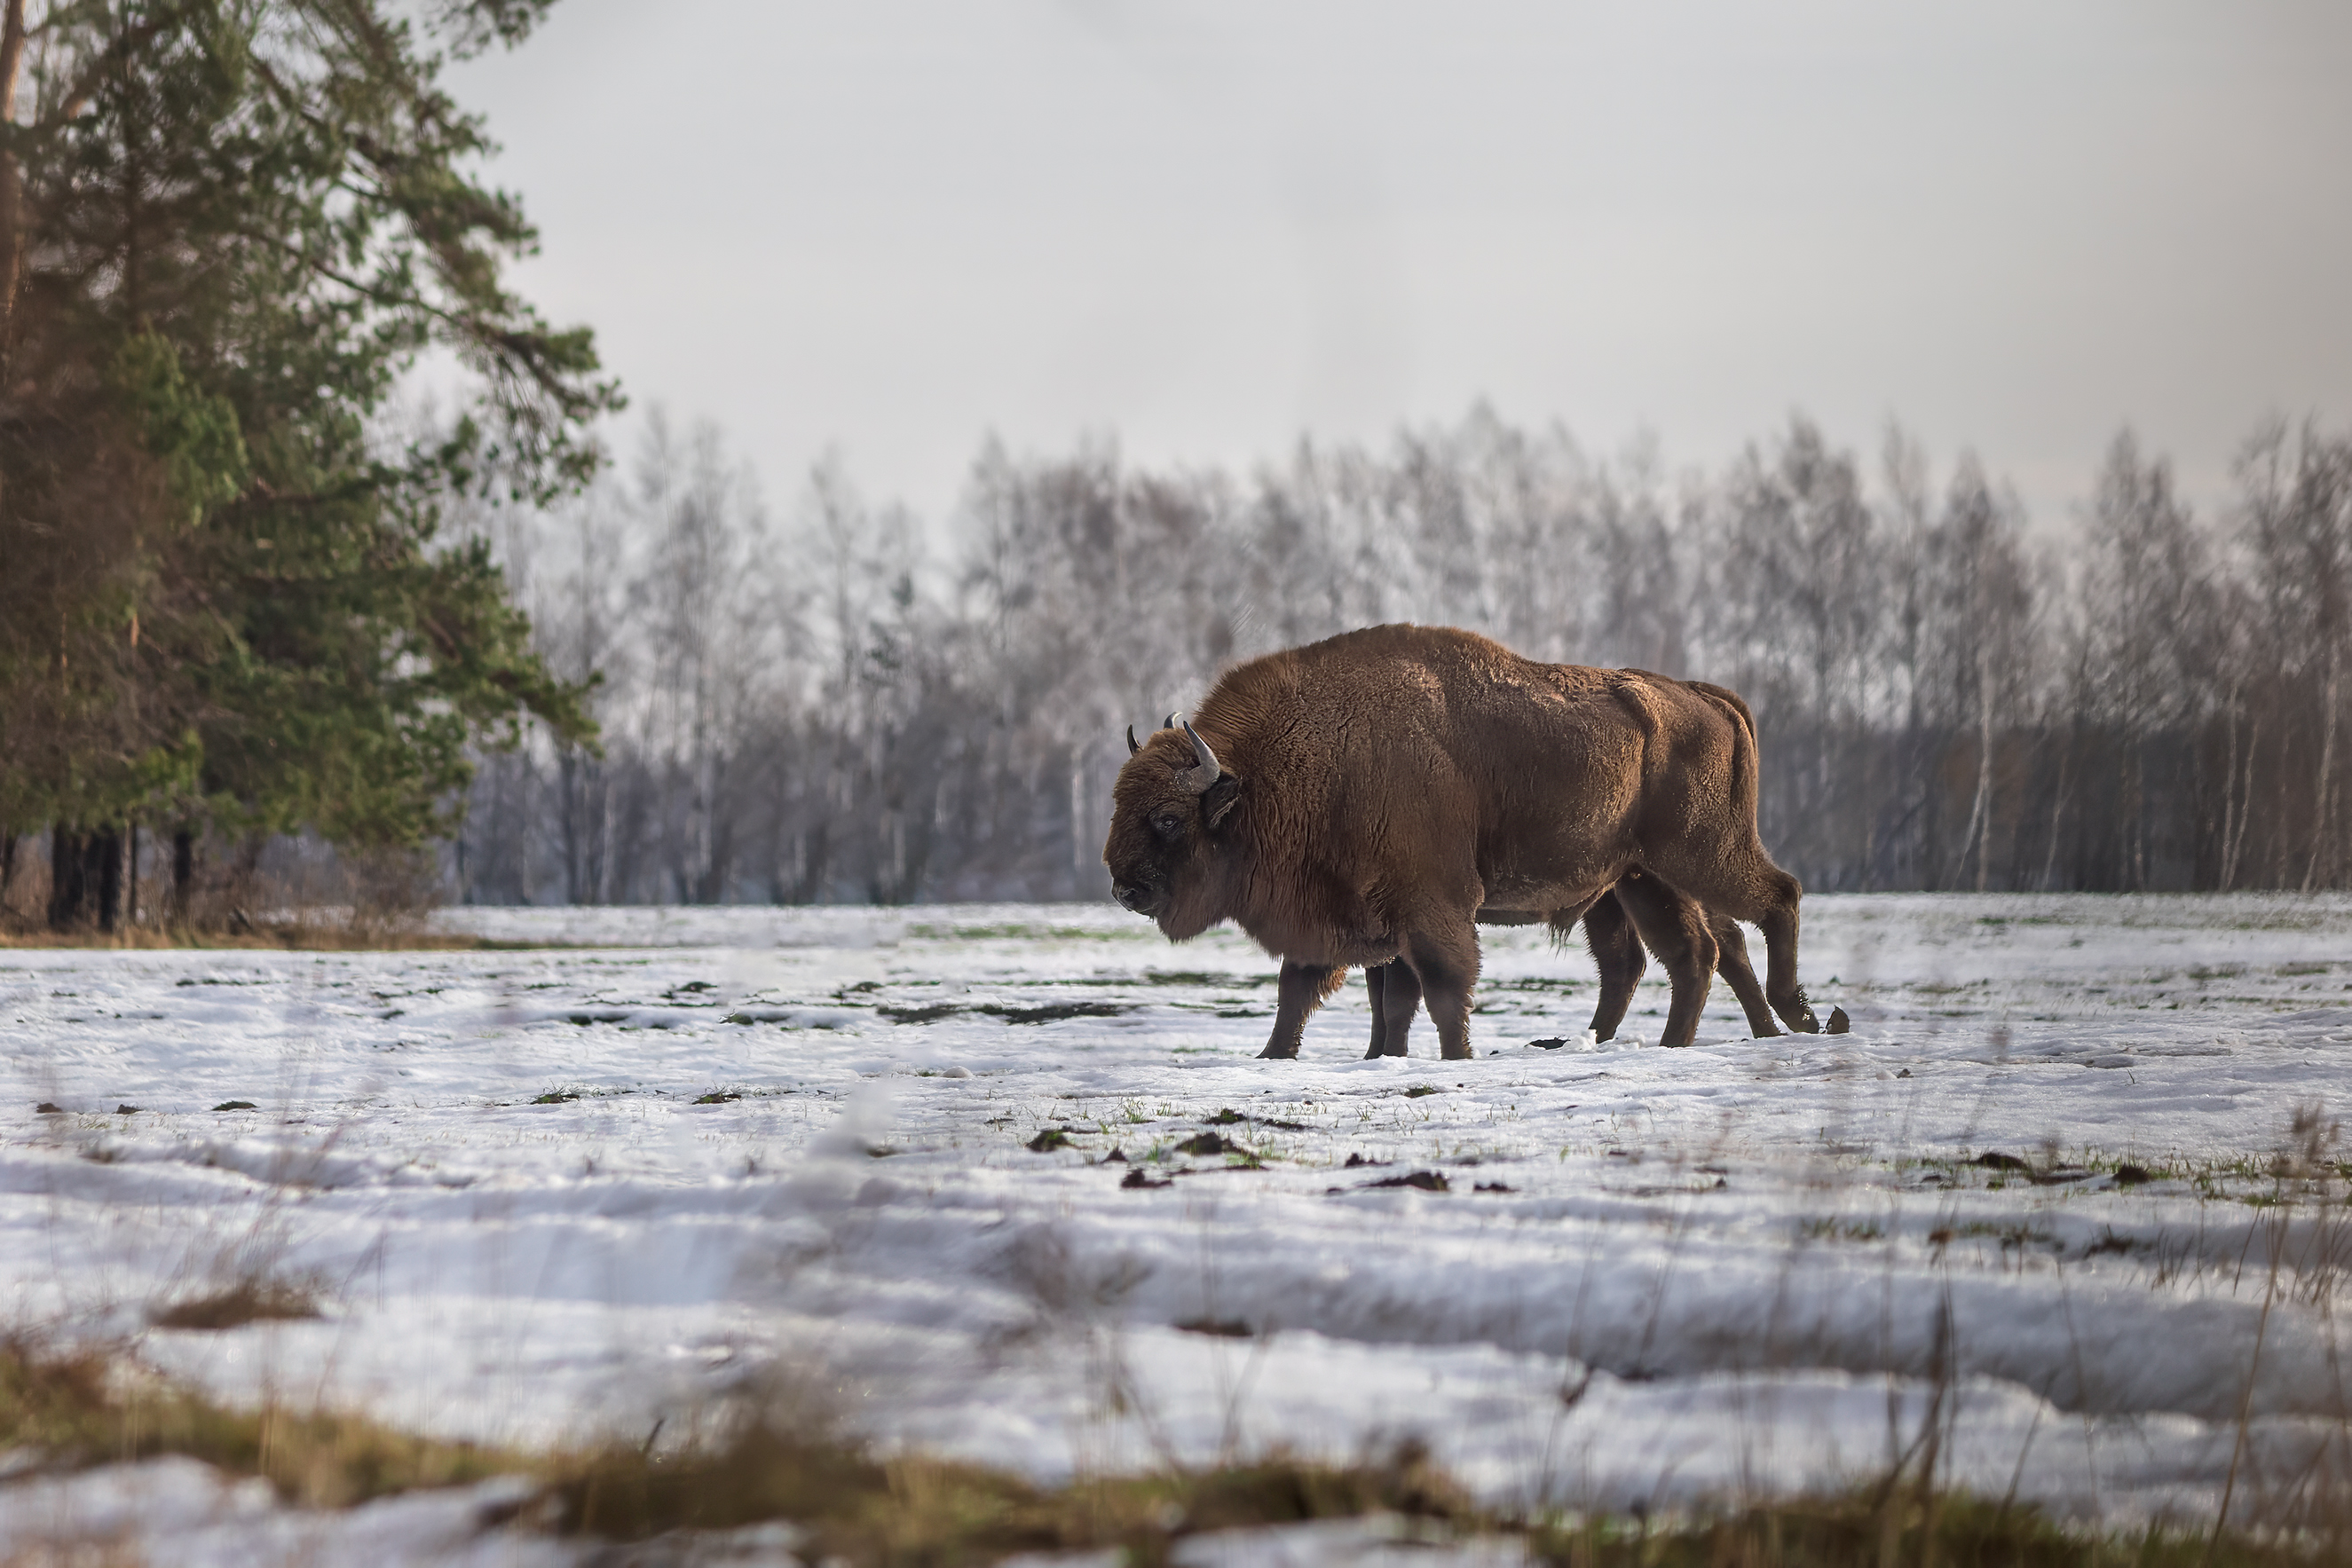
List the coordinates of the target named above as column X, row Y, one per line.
column 81, row 1408
column 920, row 1509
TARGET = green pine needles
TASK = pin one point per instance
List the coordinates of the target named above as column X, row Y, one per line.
column 231, row 601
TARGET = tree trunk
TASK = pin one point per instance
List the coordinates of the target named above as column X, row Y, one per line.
column 105, row 876
column 69, row 856
column 2245, row 808
column 12, row 178
column 2322, row 798
column 2057, row 813
column 184, row 874
column 1980, row 833
column 567, row 783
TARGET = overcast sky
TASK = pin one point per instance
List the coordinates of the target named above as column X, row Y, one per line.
column 893, row 225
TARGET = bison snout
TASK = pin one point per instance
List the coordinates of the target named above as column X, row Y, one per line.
column 1136, row 896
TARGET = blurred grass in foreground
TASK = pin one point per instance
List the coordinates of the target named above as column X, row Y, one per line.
column 754, row 1462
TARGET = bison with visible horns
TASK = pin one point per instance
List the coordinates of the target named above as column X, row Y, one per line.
column 1362, row 800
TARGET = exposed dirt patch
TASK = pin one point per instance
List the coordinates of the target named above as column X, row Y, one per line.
column 245, row 1301
column 1423, row 1181
column 1222, row 1328
column 930, row 1013
column 1053, row 1012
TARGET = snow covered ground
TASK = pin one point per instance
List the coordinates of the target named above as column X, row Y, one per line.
column 1008, row 1181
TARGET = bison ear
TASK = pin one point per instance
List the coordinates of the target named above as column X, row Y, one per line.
column 1220, row 799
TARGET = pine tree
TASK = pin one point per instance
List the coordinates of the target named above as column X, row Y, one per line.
column 227, row 230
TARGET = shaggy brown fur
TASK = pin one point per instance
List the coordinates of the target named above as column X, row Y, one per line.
column 1358, row 800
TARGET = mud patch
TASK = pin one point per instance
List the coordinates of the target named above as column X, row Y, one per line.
column 1053, row 1012
column 1419, row 1181
column 930, row 1014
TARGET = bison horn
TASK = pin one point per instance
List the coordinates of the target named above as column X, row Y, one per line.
column 1208, row 759
column 1168, row 723
column 1131, row 748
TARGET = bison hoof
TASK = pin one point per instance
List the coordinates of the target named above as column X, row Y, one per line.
column 1839, row 1022
column 1271, row 1055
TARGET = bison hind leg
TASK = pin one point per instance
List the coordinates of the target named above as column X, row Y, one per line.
column 1396, row 993
column 1617, row 954
column 1676, row 929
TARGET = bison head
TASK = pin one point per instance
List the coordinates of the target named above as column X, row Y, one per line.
column 1167, row 806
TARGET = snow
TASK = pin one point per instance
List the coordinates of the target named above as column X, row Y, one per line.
column 1729, row 1271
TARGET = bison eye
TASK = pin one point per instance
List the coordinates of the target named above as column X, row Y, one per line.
column 1167, row 825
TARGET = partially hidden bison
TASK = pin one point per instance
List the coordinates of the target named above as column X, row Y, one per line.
column 1636, row 913
column 1358, row 802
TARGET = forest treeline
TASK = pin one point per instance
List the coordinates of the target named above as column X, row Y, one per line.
column 828, row 705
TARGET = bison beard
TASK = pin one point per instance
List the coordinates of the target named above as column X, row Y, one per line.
column 1360, row 801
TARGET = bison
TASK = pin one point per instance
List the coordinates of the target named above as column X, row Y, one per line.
column 1360, row 800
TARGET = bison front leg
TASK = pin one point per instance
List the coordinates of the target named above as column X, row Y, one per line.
column 1779, row 924
column 1396, row 995
column 1617, row 952
column 1445, row 961
column 1300, row 991
column 1732, row 963
column 1676, row 928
